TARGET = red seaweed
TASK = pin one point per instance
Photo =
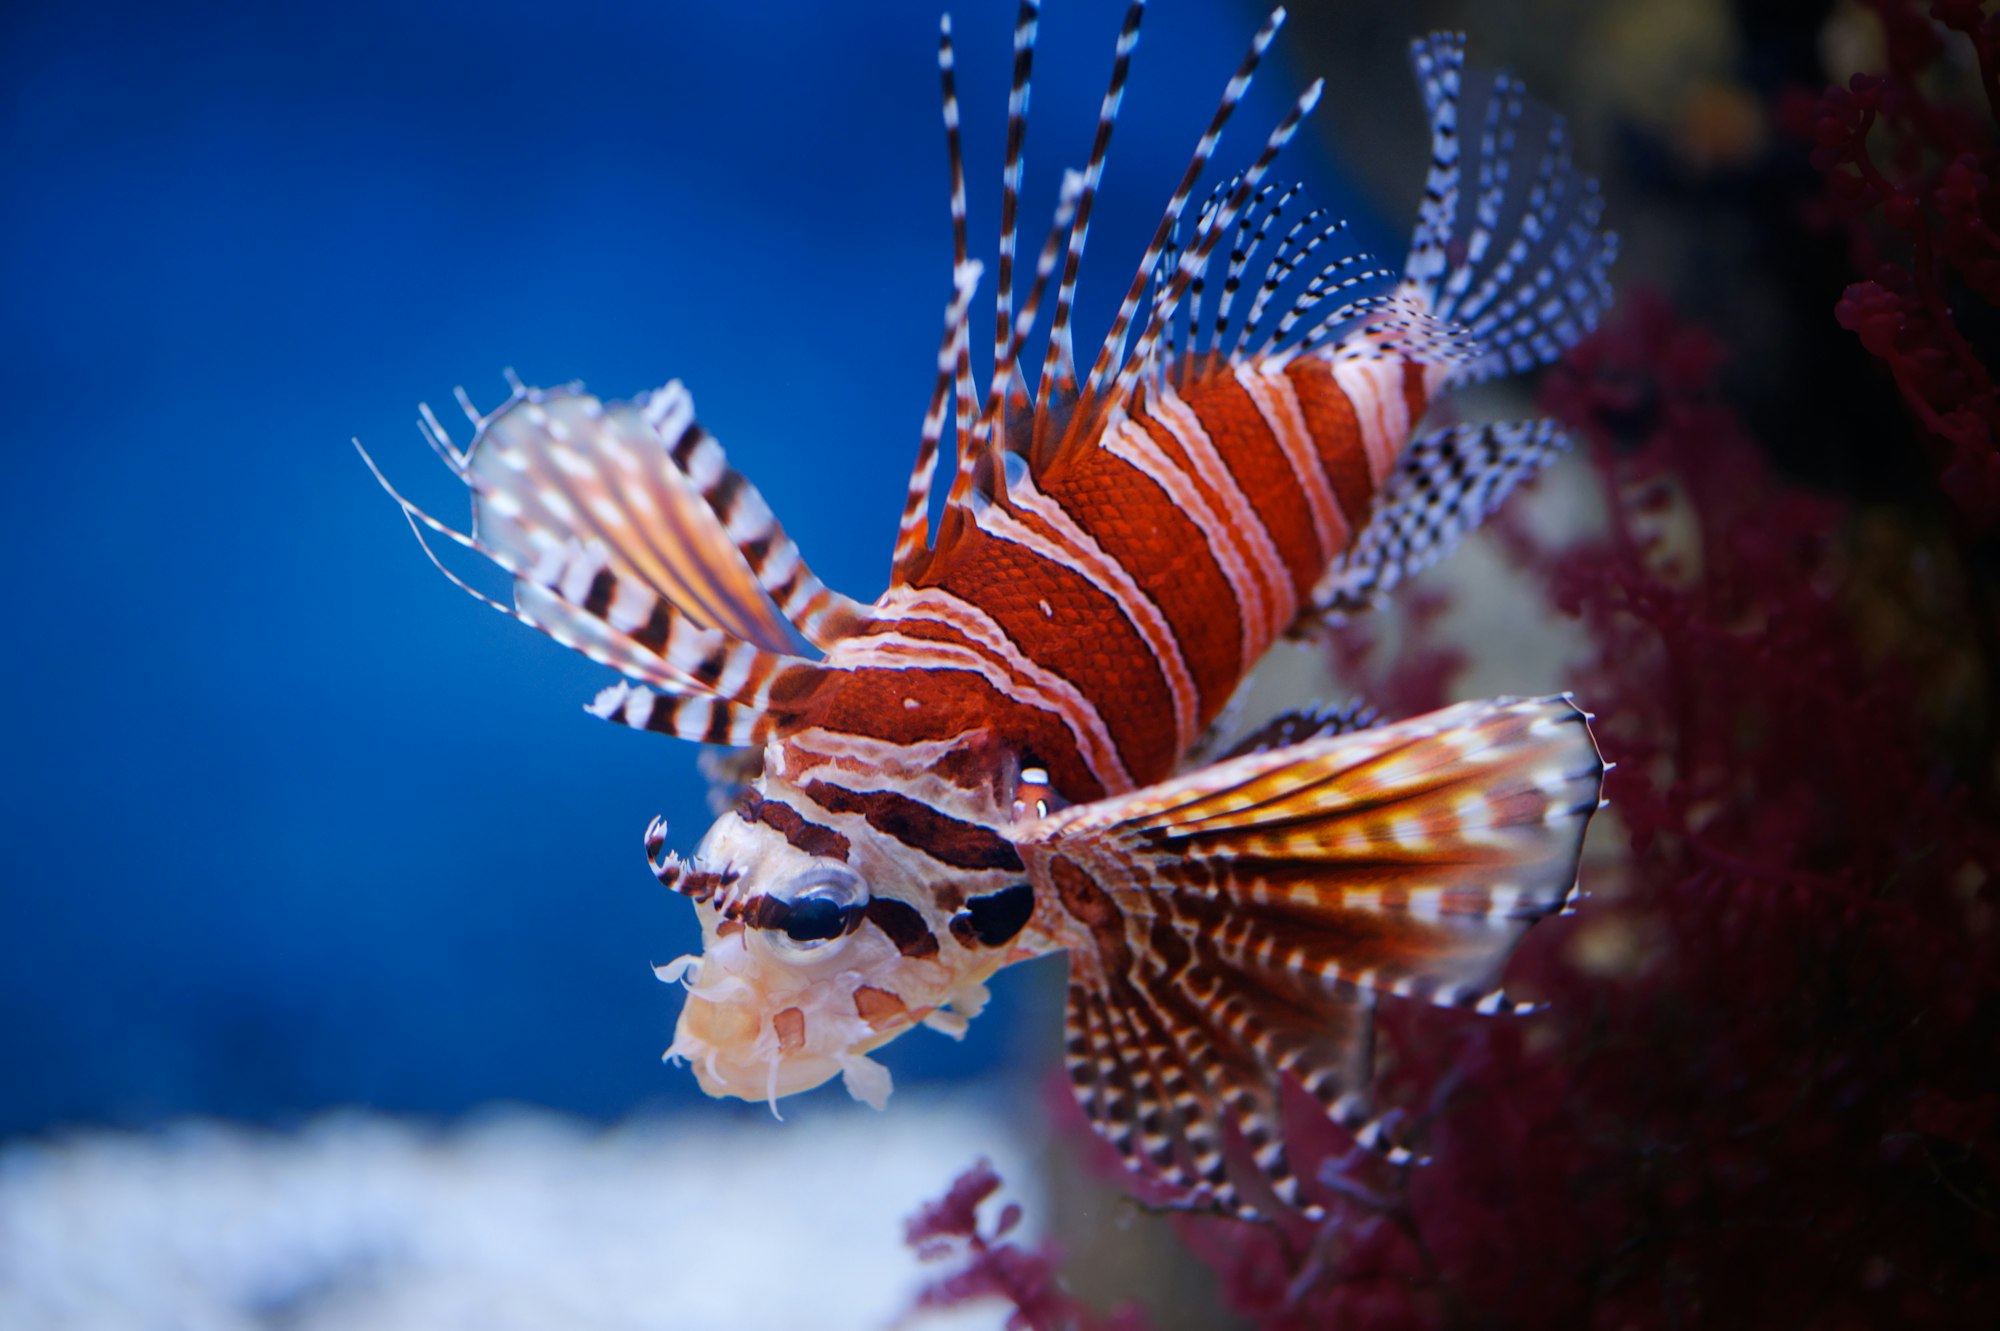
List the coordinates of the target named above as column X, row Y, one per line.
column 1766, row 1091
column 1911, row 176
column 986, row 1265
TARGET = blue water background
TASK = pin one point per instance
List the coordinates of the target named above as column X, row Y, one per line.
column 288, row 822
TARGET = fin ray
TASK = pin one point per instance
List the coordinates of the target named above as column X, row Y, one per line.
column 1242, row 919
column 1405, row 859
column 1445, row 484
column 641, row 551
column 1521, row 260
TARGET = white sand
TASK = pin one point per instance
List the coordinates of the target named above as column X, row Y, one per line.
column 521, row 1219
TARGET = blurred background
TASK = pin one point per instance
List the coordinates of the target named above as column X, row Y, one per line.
column 325, row 938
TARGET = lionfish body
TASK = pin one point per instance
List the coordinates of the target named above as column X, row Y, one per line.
column 994, row 761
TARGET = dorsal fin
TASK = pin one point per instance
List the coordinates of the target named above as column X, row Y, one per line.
column 1264, row 214
column 1025, row 26
column 913, row 543
column 1198, row 288
column 1111, row 353
column 1056, row 389
column 1197, row 256
column 978, row 447
column 1017, row 410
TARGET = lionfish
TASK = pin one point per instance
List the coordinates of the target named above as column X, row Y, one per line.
column 1002, row 757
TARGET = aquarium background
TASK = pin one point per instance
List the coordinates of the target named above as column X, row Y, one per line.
column 325, row 941
column 290, row 822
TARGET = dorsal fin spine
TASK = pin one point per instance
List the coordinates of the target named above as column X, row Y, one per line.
column 1110, row 353
column 1056, row 389
column 1198, row 254
column 913, row 532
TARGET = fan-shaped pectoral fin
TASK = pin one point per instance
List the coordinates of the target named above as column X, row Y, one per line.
column 1238, row 923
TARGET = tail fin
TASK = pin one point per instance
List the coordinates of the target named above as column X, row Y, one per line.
column 1509, row 242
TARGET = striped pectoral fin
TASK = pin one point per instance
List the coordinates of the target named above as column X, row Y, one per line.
column 631, row 541
column 649, row 484
column 699, row 717
column 1445, row 484
column 1236, row 924
column 555, row 473
column 1404, row 859
column 1178, row 1065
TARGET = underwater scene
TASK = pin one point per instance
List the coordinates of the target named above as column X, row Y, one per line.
column 1417, row 722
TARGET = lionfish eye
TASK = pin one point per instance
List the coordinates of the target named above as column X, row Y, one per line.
column 815, row 920
column 819, row 906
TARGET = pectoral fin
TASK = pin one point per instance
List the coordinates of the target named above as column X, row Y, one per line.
column 1239, row 922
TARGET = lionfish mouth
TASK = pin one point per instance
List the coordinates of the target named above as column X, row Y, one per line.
column 754, row 1030
column 736, row 1052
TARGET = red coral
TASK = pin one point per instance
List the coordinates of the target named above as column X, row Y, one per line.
column 989, row 1267
column 1912, row 175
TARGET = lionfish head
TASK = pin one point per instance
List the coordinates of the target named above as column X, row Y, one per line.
column 813, row 955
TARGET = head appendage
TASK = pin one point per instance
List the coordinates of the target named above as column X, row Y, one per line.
column 674, row 873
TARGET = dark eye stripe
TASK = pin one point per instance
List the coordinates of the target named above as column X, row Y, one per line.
column 820, row 842
column 995, row 918
column 917, row 825
column 904, row 925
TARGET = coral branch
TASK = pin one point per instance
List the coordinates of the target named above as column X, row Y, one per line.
column 1920, row 210
column 987, row 1266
